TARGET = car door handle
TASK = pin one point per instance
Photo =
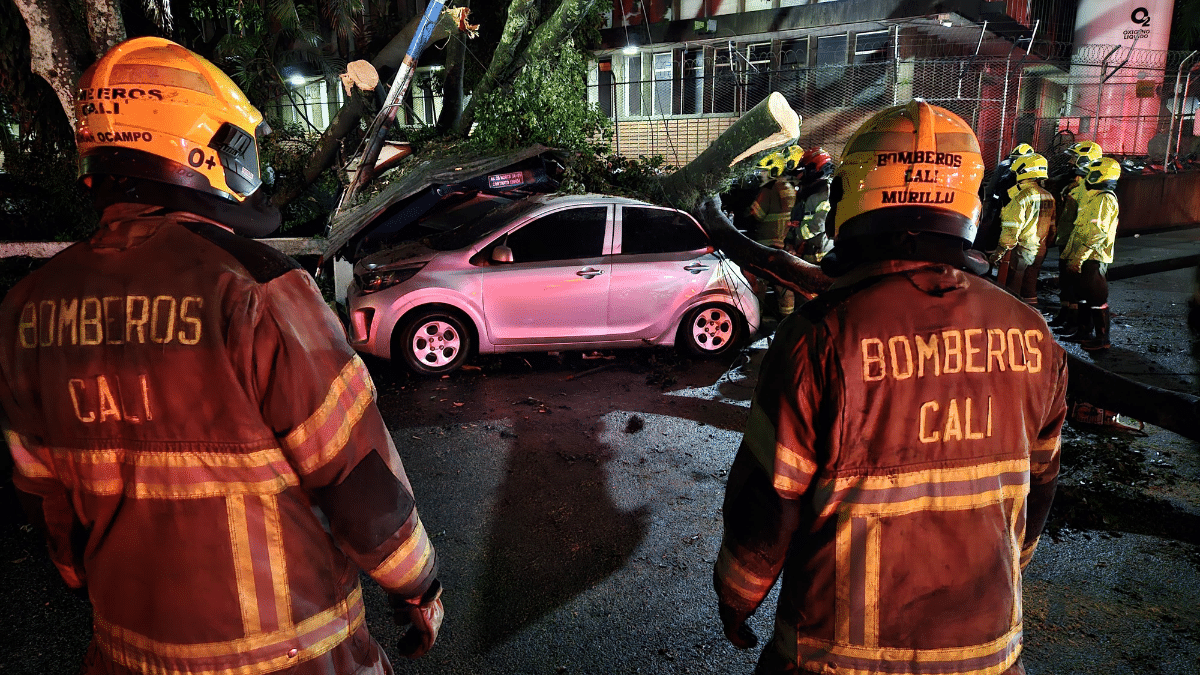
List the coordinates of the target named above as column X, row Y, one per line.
column 588, row 272
column 696, row 268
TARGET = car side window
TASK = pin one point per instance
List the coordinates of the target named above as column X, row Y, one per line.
column 646, row 230
column 562, row 235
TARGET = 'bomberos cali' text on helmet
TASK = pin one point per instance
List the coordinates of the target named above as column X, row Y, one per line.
column 913, row 167
column 153, row 110
column 1103, row 174
column 1031, row 167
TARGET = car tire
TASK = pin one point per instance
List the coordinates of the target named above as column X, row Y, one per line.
column 433, row 342
column 712, row 329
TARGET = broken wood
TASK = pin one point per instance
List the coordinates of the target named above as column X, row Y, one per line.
column 769, row 124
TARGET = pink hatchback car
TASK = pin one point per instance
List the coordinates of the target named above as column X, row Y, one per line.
column 547, row 273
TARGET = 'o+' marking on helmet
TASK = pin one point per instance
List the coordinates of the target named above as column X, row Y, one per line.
column 198, row 158
column 919, row 157
column 913, row 197
column 124, row 136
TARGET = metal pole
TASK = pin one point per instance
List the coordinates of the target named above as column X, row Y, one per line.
column 895, row 63
column 1020, row 80
column 387, row 114
column 1175, row 109
column 1003, row 110
column 1186, row 86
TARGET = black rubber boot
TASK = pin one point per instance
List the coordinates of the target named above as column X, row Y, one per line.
column 1102, row 319
column 1083, row 330
column 1060, row 318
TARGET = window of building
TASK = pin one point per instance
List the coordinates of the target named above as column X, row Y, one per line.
column 633, row 85
column 692, row 84
column 871, row 47
column 664, row 72
column 831, row 57
column 725, row 85
column 758, row 73
column 604, row 86
column 793, row 71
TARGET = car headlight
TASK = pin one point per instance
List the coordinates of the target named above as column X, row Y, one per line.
column 376, row 280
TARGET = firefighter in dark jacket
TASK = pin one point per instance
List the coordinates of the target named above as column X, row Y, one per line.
column 807, row 236
column 772, row 210
column 902, row 446
column 185, row 415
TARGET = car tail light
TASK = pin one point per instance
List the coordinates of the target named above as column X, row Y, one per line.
column 376, row 280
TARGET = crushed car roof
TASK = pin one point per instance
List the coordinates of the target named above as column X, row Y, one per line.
column 442, row 169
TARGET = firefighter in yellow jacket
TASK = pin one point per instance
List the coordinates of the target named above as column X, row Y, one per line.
column 1090, row 251
column 772, row 210
column 1080, row 155
column 185, row 416
column 902, row 446
column 1025, row 224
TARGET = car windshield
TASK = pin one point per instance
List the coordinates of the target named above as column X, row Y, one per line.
column 467, row 233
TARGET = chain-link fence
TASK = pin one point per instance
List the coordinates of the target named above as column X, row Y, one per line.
column 674, row 102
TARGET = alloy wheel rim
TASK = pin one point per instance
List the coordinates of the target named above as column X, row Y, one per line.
column 436, row 344
column 712, row 329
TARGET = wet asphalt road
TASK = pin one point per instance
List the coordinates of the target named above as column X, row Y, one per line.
column 575, row 506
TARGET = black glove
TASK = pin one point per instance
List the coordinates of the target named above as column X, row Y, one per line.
column 736, row 630
column 423, row 617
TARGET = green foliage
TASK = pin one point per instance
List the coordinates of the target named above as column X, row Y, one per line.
column 546, row 104
column 286, row 150
column 40, row 200
column 616, row 175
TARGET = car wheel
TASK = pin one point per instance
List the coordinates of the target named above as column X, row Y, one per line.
column 710, row 329
column 434, row 342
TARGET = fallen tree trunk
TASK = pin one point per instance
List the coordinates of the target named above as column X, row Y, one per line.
column 1171, row 410
column 783, row 268
column 769, row 124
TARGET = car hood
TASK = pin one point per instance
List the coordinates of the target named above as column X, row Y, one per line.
column 400, row 254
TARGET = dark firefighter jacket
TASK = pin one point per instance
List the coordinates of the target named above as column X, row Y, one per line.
column 206, row 453
column 897, row 468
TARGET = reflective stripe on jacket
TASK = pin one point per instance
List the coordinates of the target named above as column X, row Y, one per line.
column 184, row 397
column 772, row 208
column 1025, row 221
column 1095, row 231
column 897, row 469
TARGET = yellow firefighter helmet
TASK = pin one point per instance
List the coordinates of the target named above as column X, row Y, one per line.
column 793, row 160
column 1084, row 153
column 913, row 167
column 1030, row 167
column 153, row 110
column 1103, row 174
column 1021, row 150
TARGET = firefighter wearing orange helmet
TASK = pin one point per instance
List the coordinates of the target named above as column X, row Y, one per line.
column 1025, row 225
column 184, row 413
column 902, row 446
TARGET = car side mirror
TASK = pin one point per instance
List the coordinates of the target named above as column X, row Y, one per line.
column 502, row 254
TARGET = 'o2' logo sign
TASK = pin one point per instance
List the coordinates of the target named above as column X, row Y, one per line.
column 1141, row 16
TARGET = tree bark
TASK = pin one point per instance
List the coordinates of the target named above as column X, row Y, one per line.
column 770, row 123
column 507, row 62
column 452, row 84
column 106, row 27
column 783, row 268
column 521, row 16
column 1171, row 410
column 51, row 57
